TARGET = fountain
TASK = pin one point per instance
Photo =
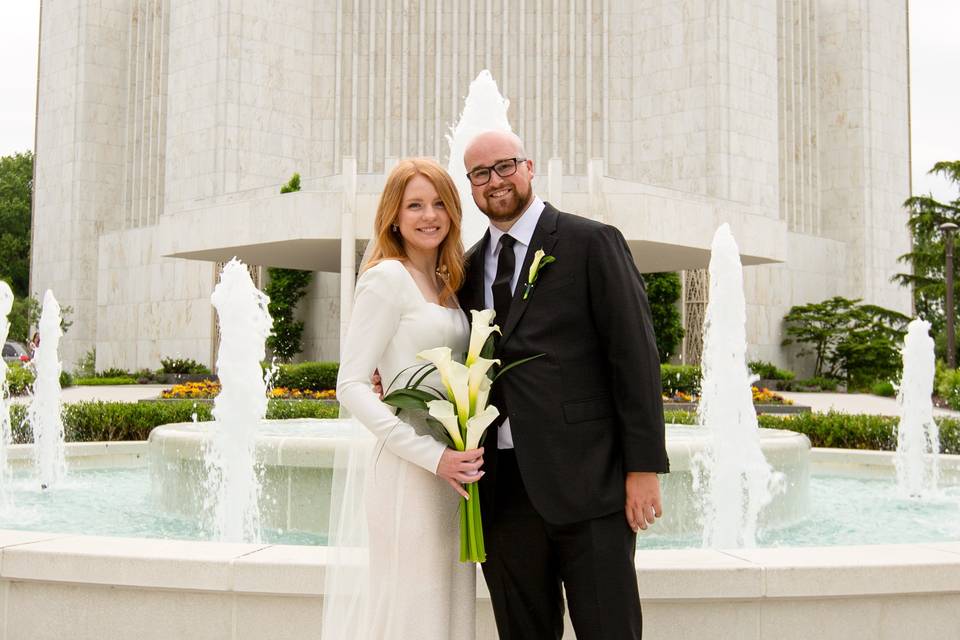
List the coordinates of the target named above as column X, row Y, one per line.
column 6, row 304
column 483, row 110
column 45, row 416
column 731, row 474
column 232, row 484
column 918, row 438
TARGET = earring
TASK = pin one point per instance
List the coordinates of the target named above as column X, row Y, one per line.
column 394, row 228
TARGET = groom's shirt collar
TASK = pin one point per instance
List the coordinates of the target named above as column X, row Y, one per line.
column 522, row 230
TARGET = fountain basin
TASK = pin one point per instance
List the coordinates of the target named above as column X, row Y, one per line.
column 90, row 587
column 297, row 460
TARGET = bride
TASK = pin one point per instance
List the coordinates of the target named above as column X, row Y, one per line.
column 414, row 585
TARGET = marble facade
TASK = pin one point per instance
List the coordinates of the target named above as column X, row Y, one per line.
column 165, row 127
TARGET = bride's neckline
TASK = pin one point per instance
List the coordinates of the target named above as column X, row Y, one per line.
column 423, row 297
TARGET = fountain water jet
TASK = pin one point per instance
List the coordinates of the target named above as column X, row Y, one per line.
column 6, row 304
column 731, row 475
column 45, row 413
column 484, row 109
column 233, row 485
column 918, row 436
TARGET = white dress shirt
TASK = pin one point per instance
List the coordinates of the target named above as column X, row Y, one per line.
column 521, row 231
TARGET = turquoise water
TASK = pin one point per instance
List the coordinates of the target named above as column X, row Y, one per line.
column 843, row 511
column 849, row 511
column 110, row 502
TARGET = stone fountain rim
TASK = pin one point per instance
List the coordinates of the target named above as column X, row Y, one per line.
column 843, row 575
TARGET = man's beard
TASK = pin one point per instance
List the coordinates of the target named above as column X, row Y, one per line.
column 512, row 213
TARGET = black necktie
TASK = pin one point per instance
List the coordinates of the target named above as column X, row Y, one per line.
column 502, row 293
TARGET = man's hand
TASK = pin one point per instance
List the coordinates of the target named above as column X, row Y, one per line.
column 460, row 467
column 643, row 499
column 377, row 383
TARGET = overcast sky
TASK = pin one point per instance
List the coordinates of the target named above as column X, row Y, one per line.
column 934, row 87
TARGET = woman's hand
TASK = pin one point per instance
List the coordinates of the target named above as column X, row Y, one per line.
column 460, row 467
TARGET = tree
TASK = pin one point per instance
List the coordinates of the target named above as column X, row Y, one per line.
column 857, row 342
column 663, row 292
column 927, row 255
column 16, row 187
column 285, row 289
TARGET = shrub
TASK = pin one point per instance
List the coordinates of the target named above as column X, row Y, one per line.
column 769, row 371
column 663, row 292
column 87, row 365
column 680, row 378
column 307, row 376
column 811, row 384
column 948, row 386
column 113, row 372
column 883, row 388
column 842, row 430
column 181, row 365
column 114, row 421
column 19, row 379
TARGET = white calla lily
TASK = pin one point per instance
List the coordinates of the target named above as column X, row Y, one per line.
column 535, row 266
column 445, row 412
column 483, row 394
column 477, row 425
column 459, row 386
column 478, row 373
column 442, row 359
column 480, row 330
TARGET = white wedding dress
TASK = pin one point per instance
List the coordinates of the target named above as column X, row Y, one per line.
column 414, row 587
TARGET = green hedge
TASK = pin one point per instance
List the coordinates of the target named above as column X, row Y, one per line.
column 100, row 382
column 680, row 377
column 312, row 376
column 113, row 421
column 947, row 385
column 844, row 431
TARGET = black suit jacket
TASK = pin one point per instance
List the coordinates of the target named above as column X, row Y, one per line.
column 590, row 409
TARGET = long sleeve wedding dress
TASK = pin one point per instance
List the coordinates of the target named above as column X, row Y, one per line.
column 416, row 587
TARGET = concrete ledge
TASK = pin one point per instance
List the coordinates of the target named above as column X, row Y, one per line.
column 686, row 593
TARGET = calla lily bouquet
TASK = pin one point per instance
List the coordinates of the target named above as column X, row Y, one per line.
column 458, row 414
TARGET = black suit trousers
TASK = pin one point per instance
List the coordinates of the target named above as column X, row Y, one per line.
column 530, row 562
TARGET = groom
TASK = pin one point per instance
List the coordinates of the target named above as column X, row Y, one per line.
column 571, row 471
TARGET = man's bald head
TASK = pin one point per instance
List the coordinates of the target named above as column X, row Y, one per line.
column 494, row 139
column 503, row 198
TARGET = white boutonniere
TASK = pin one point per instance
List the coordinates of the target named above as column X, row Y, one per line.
column 540, row 260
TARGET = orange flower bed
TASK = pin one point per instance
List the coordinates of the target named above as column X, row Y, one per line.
column 209, row 389
column 765, row 396
column 192, row 390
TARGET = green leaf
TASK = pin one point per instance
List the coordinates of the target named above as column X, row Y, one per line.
column 409, row 399
column 503, row 370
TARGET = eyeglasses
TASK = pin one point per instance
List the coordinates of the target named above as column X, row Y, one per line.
column 504, row 168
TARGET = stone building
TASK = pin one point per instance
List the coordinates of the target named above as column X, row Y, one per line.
column 165, row 127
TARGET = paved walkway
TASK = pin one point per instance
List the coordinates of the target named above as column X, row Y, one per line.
column 853, row 403
column 118, row 393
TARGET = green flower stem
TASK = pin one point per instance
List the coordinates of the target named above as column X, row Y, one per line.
column 464, row 531
column 472, row 548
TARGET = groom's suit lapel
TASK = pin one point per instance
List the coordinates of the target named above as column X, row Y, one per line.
column 544, row 237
